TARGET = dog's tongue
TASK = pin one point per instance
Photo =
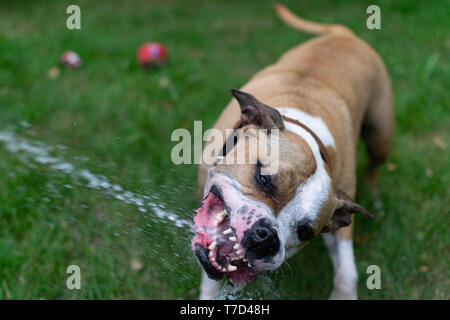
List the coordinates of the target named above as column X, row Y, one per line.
column 204, row 220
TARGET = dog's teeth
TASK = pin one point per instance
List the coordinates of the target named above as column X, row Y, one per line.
column 228, row 231
column 236, row 246
column 249, row 264
column 245, row 260
column 233, row 238
column 219, row 218
column 231, row 268
column 213, row 245
column 238, row 252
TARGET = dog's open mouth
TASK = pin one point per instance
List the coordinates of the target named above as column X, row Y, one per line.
column 216, row 243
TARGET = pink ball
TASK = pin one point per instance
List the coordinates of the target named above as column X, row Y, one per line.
column 152, row 54
column 70, row 59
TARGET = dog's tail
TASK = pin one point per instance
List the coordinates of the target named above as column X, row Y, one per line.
column 308, row 26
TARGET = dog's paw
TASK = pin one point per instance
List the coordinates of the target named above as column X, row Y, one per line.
column 345, row 285
column 343, row 295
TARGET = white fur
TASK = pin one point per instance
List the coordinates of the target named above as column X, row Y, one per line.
column 310, row 195
column 345, row 275
column 314, row 123
column 209, row 288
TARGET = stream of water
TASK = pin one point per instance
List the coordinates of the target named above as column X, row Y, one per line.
column 32, row 152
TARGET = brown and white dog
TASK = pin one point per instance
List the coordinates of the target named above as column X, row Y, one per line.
column 319, row 95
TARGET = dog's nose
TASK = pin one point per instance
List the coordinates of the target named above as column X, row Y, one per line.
column 261, row 240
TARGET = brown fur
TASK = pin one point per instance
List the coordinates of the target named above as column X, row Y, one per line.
column 338, row 78
column 295, row 159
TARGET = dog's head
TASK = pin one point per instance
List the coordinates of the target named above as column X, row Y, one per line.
column 250, row 219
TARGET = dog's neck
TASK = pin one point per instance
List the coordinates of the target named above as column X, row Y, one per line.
column 323, row 150
column 305, row 124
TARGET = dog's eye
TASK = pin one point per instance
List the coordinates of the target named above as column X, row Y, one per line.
column 305, row 232
column 264, row 181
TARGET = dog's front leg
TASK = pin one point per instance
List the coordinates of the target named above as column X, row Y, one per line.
column 340, row 248
column 209, row 288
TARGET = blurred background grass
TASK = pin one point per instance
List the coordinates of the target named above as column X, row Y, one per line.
column 116, row 120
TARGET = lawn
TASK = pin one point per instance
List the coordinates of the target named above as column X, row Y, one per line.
column 115, row 120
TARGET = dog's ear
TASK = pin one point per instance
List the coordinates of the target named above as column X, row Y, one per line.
column 256, row 112
column 342, row 215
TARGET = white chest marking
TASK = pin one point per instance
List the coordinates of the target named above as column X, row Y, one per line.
column 311, row 194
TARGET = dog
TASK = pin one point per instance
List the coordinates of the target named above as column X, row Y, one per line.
column 319, row 96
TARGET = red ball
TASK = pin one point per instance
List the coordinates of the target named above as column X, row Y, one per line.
column 152, row 54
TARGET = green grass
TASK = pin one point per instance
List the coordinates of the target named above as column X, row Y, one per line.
column 119, row 117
